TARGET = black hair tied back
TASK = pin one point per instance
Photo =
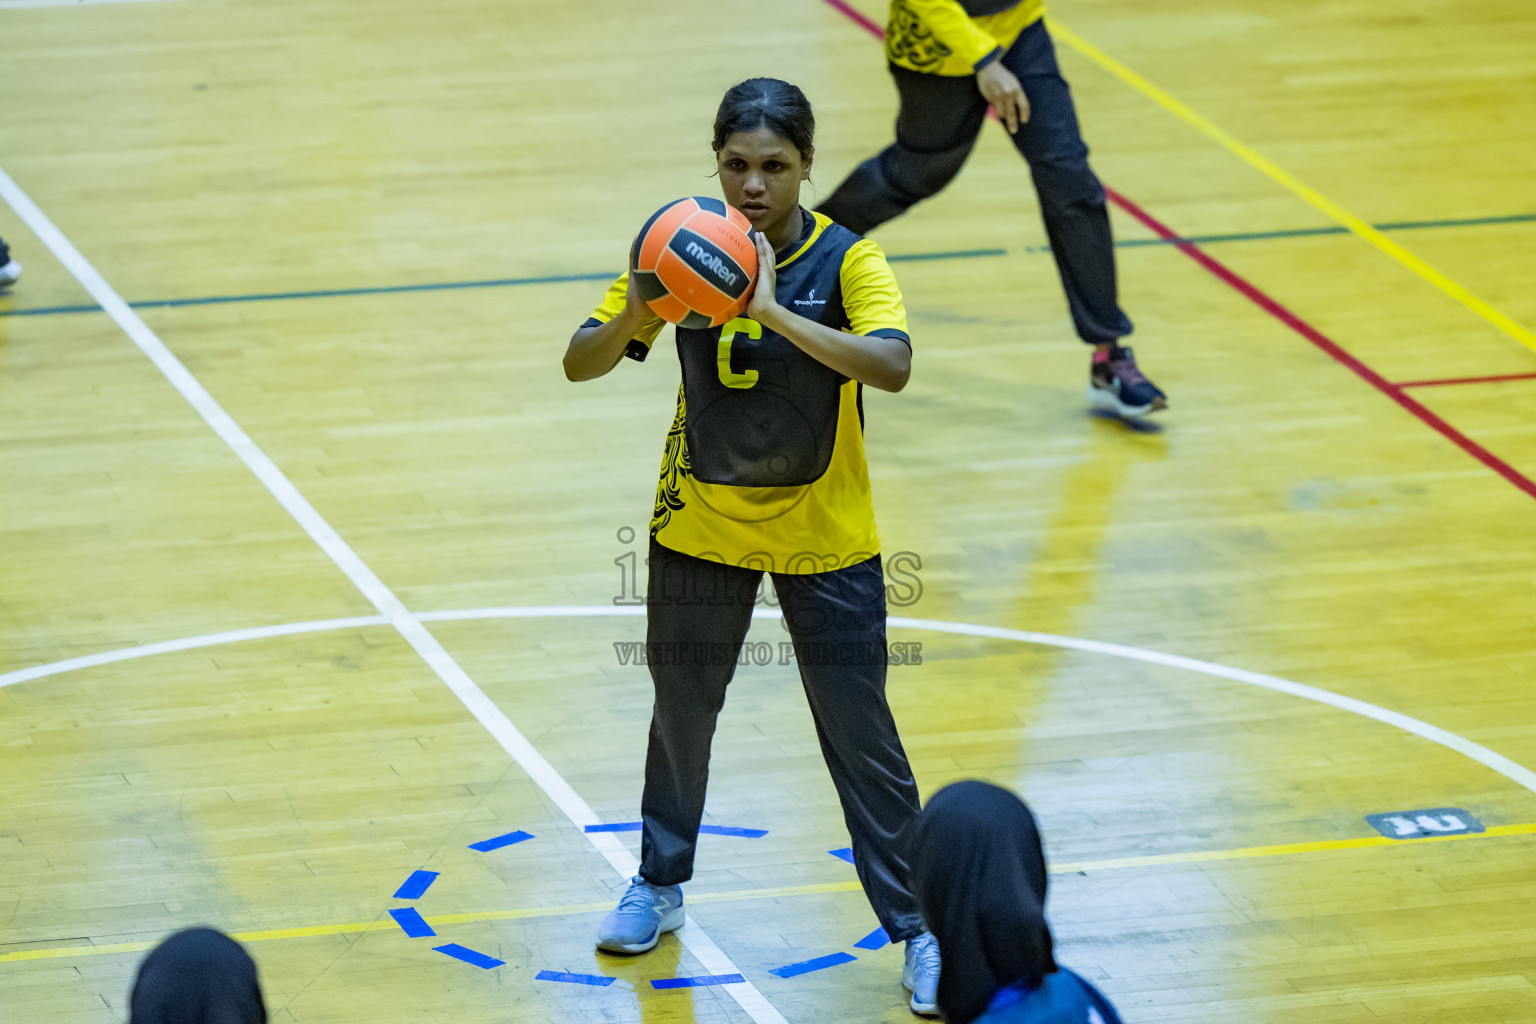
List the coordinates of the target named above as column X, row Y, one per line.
column 766, row 103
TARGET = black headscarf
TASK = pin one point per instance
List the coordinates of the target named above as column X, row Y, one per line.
column 978, row 872
column 199, row 976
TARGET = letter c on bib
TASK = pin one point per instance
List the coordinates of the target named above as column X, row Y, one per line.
column 728, row 333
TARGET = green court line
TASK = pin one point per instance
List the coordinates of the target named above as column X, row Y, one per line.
column 916, row 257
column 958, row 254
column 1333, row 229
column 1241, row 236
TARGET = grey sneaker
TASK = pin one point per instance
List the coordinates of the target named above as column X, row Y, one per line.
column 9, row 272
column 920, row 974
column 644, row 914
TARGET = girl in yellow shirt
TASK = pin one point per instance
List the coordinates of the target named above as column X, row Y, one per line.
column 763, row 470
column 951, row 59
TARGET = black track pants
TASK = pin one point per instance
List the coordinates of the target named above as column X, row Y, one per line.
column 697, row 616
column 935, row 131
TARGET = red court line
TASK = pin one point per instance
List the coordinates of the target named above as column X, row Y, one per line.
column 1316, row 337
column 1285, row 316
column 862, row 19
column 1466, row 380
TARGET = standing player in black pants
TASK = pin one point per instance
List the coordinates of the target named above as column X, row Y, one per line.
column 950, row 59
column 763, row 470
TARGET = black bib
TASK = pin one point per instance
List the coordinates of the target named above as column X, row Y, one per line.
column 979, row 8
column 759, row 412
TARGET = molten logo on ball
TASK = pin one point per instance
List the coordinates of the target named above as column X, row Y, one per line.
column 713, row 262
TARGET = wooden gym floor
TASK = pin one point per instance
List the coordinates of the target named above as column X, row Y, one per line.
column 367, row 229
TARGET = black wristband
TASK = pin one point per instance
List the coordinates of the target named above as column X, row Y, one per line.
column 997, row 51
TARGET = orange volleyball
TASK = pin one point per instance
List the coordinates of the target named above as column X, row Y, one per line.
column 695, row 262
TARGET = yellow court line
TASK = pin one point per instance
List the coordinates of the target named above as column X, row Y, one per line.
column 783, row 892
column 1310, row 195
column 1285, row 850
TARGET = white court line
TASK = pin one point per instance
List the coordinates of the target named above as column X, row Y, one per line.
column 234, row 636
column 380, row 596
column 71, row 3
column 1515, row 772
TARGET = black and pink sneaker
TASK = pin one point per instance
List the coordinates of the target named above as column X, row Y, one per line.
column 1116, row 384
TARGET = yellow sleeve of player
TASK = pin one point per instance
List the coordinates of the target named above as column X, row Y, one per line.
column 871, row 297
column 613, row 304
column 950, row 25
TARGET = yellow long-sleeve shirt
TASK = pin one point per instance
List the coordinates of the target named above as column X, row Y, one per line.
column 938, row 36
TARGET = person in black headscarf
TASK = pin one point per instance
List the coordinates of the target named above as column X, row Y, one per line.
column 198, row 976
column 978, row 872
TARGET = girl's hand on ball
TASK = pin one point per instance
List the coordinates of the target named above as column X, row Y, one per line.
column 635, row 306
column 763, row 301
